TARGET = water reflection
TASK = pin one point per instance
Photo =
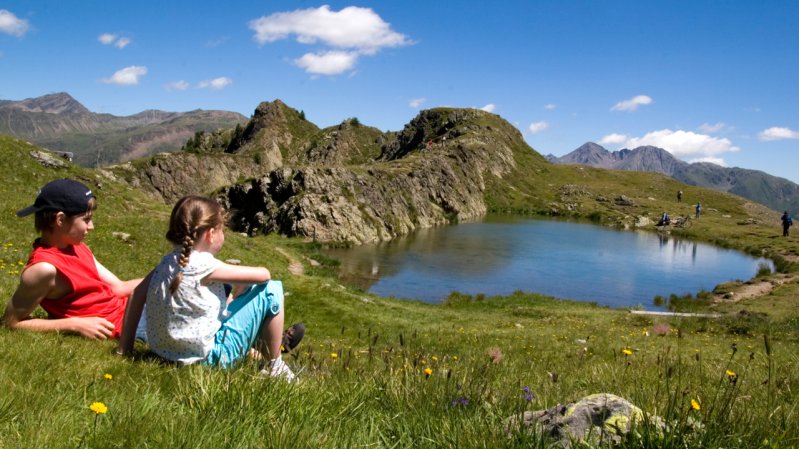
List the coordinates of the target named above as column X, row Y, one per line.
column 567, row 260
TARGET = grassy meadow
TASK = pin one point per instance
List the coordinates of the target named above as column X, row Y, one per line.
column 382, row 372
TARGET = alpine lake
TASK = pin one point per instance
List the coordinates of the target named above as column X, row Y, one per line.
column 499, row 255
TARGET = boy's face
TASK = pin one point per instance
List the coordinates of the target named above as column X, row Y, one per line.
column 75, row 229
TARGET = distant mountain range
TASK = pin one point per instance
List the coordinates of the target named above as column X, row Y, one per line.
column 60, row 123
column 776, row 193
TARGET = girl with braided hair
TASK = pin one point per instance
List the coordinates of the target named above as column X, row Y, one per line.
column 189, row 319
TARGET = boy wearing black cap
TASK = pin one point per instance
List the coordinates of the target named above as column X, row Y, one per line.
column 62, row 276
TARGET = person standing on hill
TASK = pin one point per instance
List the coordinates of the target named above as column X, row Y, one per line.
column 787, row 221
column 698, row 209
column 679, row 196
column 62, row 275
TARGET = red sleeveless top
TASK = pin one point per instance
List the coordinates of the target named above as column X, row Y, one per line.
column 90, row 296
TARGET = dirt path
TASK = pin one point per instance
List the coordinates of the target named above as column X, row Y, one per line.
column 295, row 266
column 753, row 290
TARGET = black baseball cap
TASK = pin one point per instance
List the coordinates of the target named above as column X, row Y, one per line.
column 62, row 195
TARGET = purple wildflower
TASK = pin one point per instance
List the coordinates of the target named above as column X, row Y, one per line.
column 528, row 395
column 461, row 401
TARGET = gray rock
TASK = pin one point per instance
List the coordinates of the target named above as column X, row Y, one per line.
column 596, row 418
column 48, row 160
column 623, row 200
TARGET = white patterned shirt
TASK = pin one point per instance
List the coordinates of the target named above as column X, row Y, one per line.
column 182, row 327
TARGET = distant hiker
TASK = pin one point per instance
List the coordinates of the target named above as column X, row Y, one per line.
column 787, row 222
column 429, row 143
column 665, row 220
column 62, row 275
column 698, row 209
column 188, row 316
column 679, row 196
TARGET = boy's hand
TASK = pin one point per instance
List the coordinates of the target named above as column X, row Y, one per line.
column 94, row 328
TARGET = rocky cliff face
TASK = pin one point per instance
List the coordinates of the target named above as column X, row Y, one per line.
column 347, row 183
column 172, row 176
column 410, row 185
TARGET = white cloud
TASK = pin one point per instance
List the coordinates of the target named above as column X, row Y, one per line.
column 416, row 102
column 710, row 129
column 550, row 106
column 632, row 104
column 107, row 38
column 329, row 63
column 537, row 127
column 110, row 38
column 11, row 24
column 777, row 133
column 614, row 138
column 359, row 31
column 685, row 145
column 129, row 76
column 216, row 83
column 177, row 85
column 489, row 107
column 352, row 27
column 712, row 160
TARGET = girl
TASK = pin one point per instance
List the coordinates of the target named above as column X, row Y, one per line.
column 188, row 317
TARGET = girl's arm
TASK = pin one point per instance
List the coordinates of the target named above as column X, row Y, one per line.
column 121, row 288
column 133, row 312
column 237, row 274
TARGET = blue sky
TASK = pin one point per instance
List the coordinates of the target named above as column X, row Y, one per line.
column 706, row 80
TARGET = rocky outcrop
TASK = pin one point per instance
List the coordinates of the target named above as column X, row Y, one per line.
column 172, row 176
column 410, row 186
column 349, row 143
column 591, row 420
column 348, row 183
column 214, row 160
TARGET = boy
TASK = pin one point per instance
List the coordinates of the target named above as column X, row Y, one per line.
column 62, row 276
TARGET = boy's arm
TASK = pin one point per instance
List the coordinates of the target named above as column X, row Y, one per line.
column 133, row 312
column 35, row 283
column 121, row 288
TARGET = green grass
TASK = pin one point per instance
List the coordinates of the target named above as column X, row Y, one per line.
column 374, row 392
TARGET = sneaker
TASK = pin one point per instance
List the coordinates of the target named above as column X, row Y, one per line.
column 292, row 337
column 279, row 370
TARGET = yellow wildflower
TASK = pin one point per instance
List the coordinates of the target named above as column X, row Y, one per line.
column 334, row 355
column 730, row 373
column 695, row 404
column 428, row 371
column 107, row 376
column 98, row 408
column 626, row 351
column 434, row 358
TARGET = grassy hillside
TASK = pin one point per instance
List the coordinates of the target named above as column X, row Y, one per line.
column 364, row 360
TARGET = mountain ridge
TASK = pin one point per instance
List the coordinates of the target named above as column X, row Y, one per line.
column 775, row 192
column 59, row 122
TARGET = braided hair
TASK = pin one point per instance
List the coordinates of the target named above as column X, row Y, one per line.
column 191, row 217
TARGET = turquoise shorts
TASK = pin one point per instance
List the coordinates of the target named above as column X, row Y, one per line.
column 243, row 323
